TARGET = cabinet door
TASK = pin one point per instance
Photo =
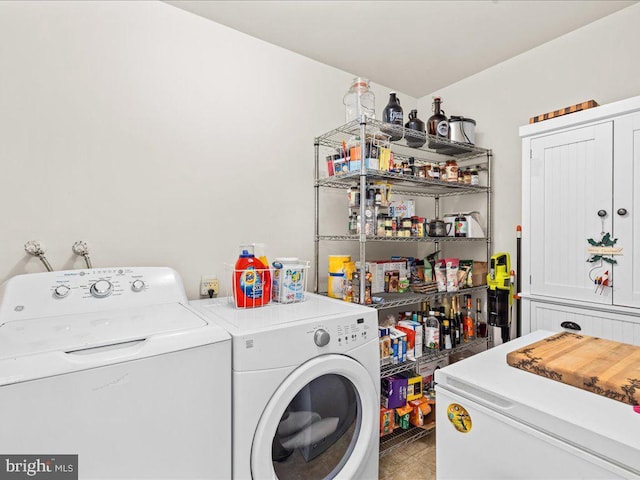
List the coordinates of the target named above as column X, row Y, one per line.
column 571, row 180
column 626, row 226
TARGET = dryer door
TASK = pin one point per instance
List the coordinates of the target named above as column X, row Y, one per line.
column 319, row 424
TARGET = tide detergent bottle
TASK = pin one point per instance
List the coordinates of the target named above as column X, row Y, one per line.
column 251, row 280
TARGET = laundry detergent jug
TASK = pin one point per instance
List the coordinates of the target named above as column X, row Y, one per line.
column 251, row 280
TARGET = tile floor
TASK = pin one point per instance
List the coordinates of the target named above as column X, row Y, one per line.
column 416, row 461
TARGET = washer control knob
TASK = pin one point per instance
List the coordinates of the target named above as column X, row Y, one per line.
column 61, row 291
column 321, row 337
column 101, row 289
column 137, row 285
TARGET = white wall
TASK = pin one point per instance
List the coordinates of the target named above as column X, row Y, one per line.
column 157, row 136
column 596, row 62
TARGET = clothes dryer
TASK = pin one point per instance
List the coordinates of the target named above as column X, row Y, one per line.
column 306, row 388
column 112, row 365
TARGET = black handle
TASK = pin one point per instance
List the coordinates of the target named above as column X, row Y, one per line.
column 571, row 326
column 602, row 213
column 622, row 211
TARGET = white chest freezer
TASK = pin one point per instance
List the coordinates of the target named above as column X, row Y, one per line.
column 496, row 421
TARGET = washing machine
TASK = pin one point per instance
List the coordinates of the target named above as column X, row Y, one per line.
column 306, row 389
column 112, row 365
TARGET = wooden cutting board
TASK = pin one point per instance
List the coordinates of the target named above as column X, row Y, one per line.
column 608, row 368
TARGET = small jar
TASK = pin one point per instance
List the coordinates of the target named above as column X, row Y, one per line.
column 406, row 223
column 381, row 227
column 475, row 178
column 451, row 167
column 435, row 172
column 420, row 227
column 467, row 177
column 388, row 231
column 414, row 226
column 460, row 176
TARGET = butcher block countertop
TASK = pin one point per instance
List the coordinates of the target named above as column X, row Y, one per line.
column 604, row 367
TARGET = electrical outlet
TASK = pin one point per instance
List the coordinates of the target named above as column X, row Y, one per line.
column 207, row 283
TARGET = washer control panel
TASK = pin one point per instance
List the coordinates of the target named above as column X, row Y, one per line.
column 99, row 283
column 345, row 333
column 76, row 291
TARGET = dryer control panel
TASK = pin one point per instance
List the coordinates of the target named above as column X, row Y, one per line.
column 87, row 290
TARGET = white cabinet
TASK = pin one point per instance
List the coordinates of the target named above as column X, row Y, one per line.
column 580, row 177
column 571, row 180
column 626, row 209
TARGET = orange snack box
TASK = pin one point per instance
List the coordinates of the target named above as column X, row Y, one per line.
column 386, row 421
column 419, row 412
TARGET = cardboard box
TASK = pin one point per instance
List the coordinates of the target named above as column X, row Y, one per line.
column 398, row 346
column 393, row 392
column 391, row 281
column 418, row 336
column 414, row 385
column 377, row 269
column 402, row 416
column 479, row 275
column 420, row 408
column 402, row 208
column 385, row 350
column 387, row 420
column 370, row 163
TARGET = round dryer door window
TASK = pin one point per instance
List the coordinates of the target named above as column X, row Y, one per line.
column 313, row 426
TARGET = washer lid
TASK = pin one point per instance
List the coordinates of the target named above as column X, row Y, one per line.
column 72, row 333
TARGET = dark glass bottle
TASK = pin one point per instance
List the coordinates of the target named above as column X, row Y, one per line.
column 414, row 123
column 437, row 124
column 392, row 113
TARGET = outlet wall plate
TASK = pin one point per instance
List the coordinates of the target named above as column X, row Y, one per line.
column 209, row 282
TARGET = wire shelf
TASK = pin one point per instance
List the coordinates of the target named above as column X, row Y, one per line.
column 404, row 184
column 441, row 147
column 374, row 238
column 400, row 438
column 429, row 355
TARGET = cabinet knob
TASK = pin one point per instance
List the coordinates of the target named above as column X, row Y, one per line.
column 602, row 213
column 622, row 212
column 571, row 326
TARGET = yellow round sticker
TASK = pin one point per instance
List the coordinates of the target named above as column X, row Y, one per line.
column 459, row 417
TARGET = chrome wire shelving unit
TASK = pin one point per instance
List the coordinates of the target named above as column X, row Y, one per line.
column 434, row 150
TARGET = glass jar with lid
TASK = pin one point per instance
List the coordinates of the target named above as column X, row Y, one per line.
column 359, row 100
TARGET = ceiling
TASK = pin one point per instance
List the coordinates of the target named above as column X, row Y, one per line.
column 415, row 47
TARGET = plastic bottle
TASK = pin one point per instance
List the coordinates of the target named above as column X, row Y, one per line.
column 252, row 280
column 359, row 100
column 432, row 332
